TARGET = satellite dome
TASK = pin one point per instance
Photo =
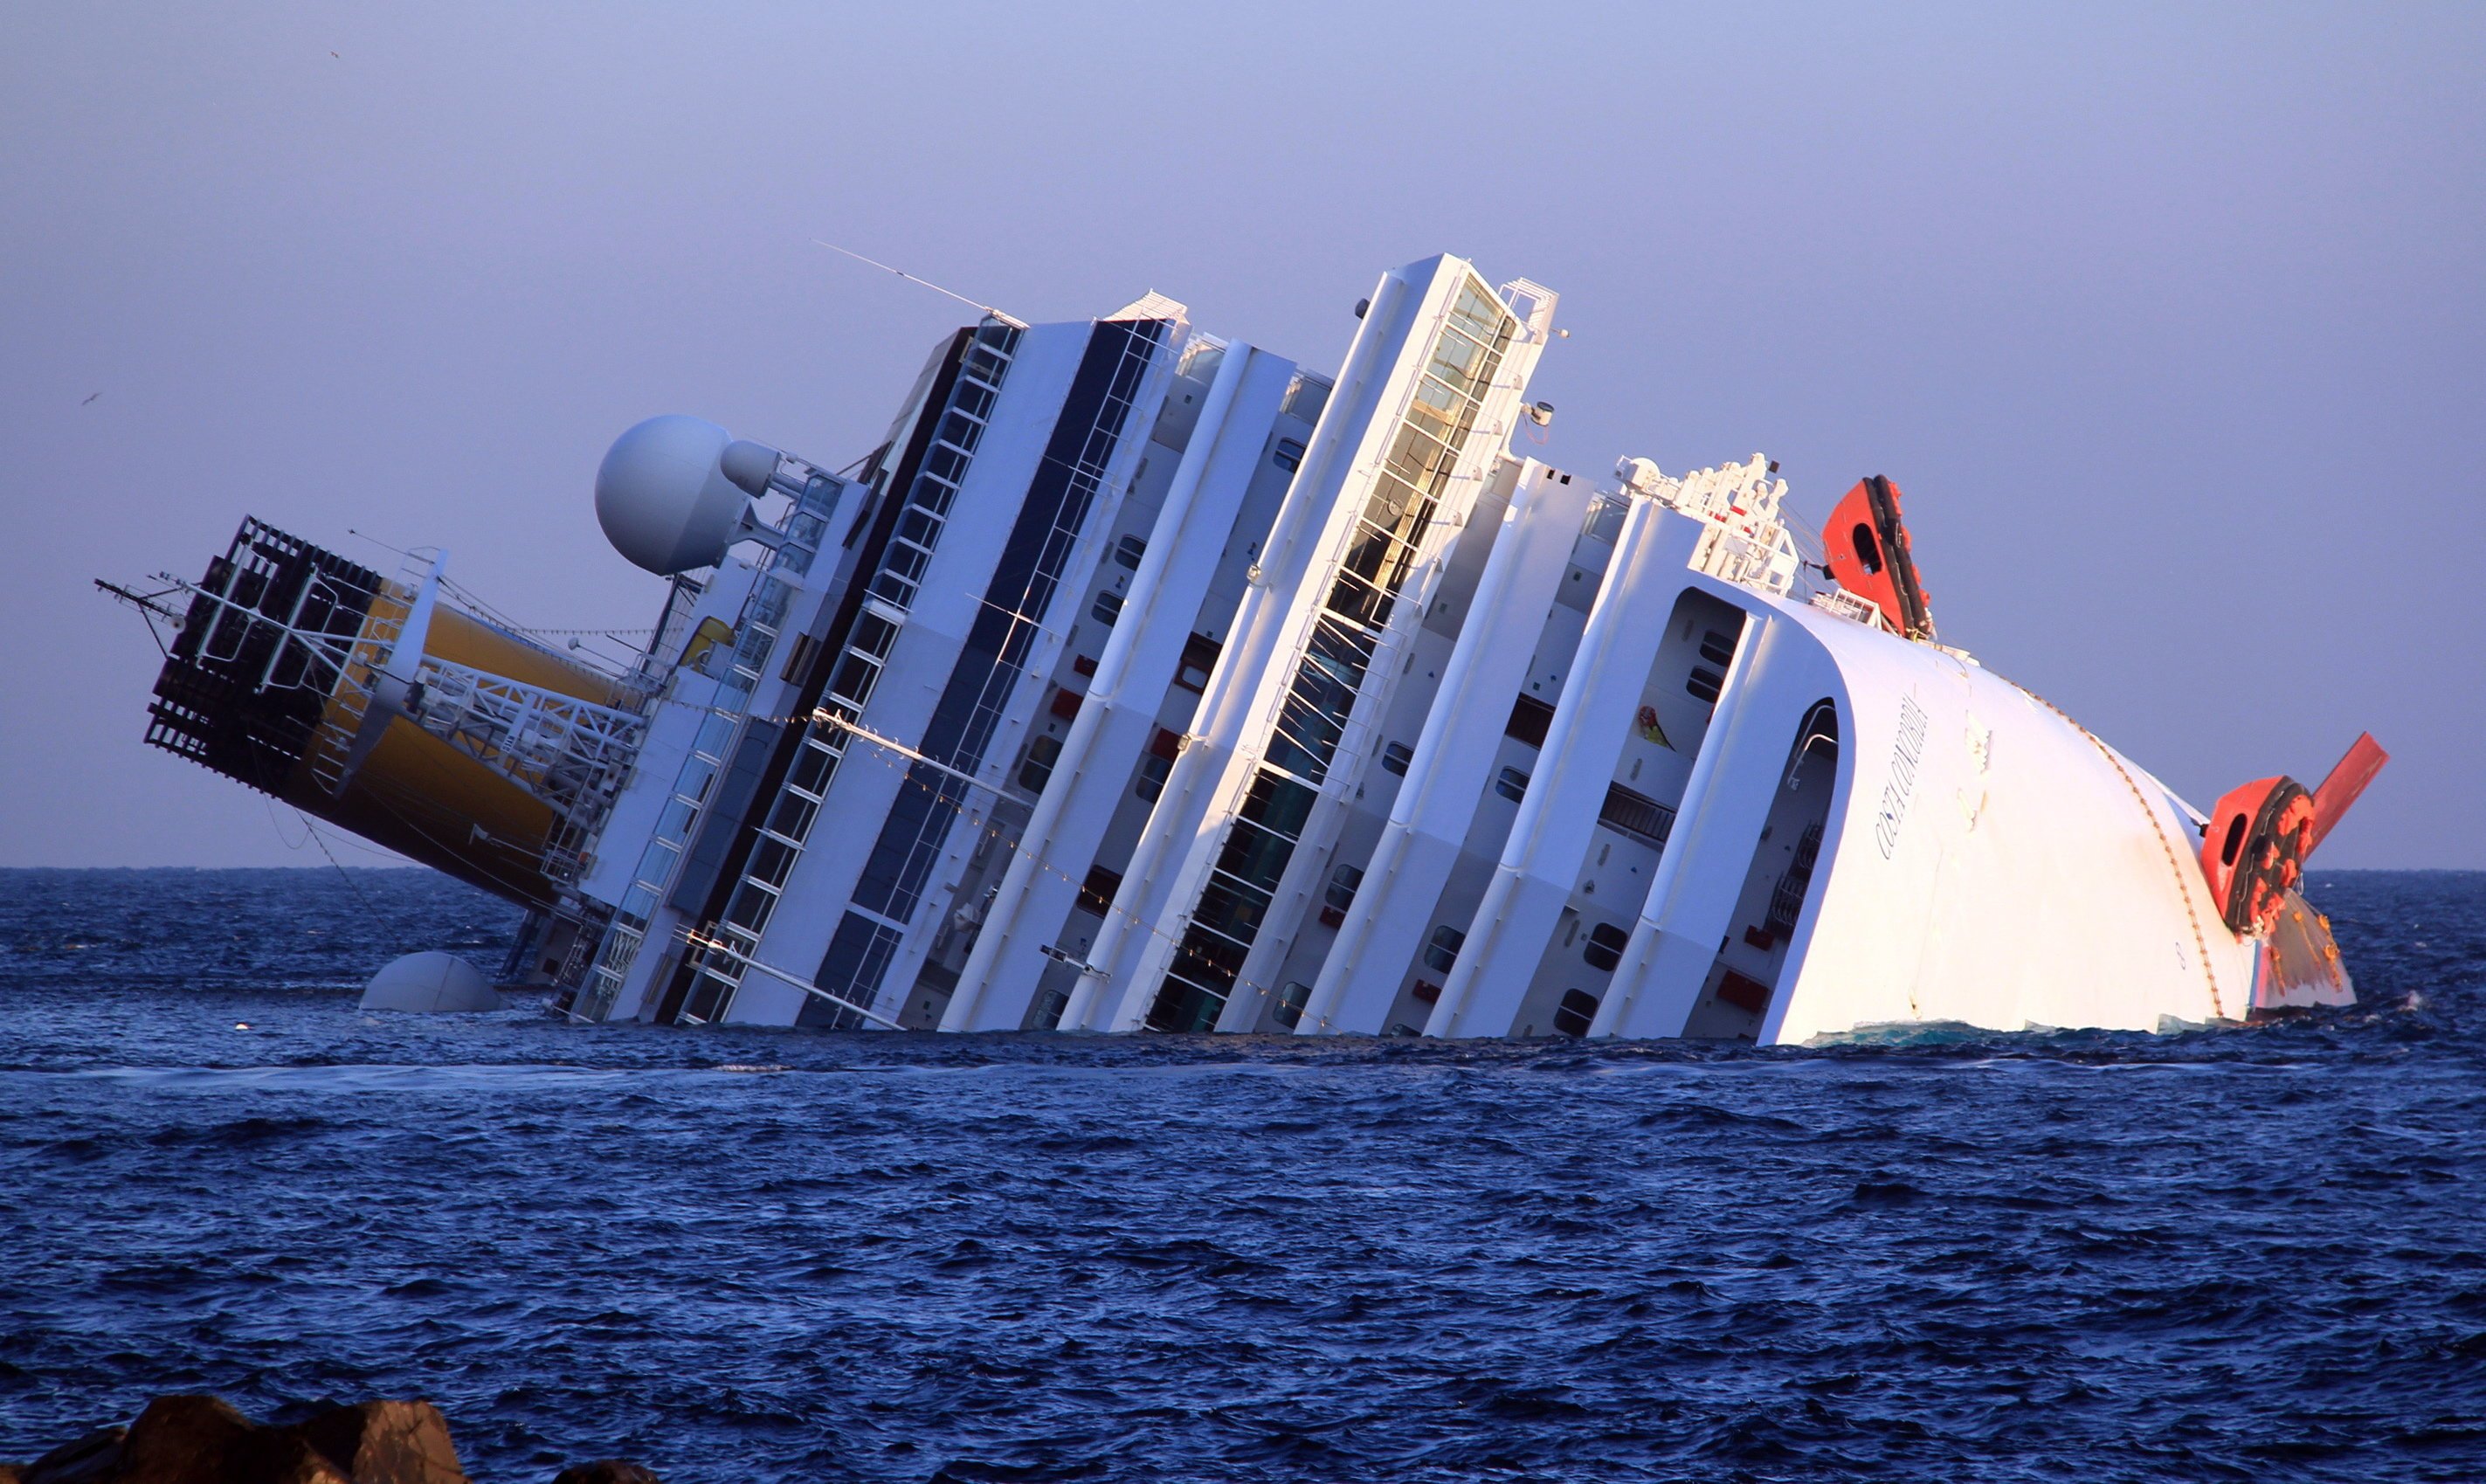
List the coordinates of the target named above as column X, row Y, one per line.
column 670, row 497
column 431, row 984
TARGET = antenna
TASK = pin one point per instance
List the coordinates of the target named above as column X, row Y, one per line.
column 912, row 278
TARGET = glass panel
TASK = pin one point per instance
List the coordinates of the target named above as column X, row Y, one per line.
column 1230, row 909
column 934, row 495
column 1278, row 804
column 768, row 605
column 793, row 816
column 771, row 860
column 1184, row 1007
column 1206, row 959
column 1253, row 856
column 1343, row 883
column 697, row 774
column 751, row 906
column 812, row 768
column 962, row 430
column 1034, row 773
column 873, row 635
column 855, row 680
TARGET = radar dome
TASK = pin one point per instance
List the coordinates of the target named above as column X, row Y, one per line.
column 431, row 984
column 665, row 497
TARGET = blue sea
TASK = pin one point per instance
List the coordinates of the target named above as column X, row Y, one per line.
column 2247, row 1253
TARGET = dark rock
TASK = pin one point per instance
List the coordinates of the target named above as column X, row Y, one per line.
column 605, row 1470
column 93, row 1457
column 198, row 1440
column 386, row 1443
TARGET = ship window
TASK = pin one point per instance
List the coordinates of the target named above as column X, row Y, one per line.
column 855, row 678
column 770, row 860
column 1511, row 784
column 1604, row 948
column 1395, row 758
column 1292, row 1001
column 1530, row 718
column 1253, row 856
column 1716, row 648
column 1705, row 685
column 1153, row 770
column 2234, row 843
column 697, row 775
column 1869, row 553
column 1129, row 550
column 1343, row 883
column 934, row 495
column 1107, row 608
column 1441, row 951
column 1278, row 804
column 751, row 907
column 1096, row 892
column 792, row 817
column 1199, row 657
column 1034, row 773
column 1289, row 456
column 873, row 635
column 962, row 430
column 658, row 861
column 1579, row 1008
column 812, row 768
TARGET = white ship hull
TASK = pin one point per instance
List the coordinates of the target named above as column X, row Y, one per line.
column 1142, row 681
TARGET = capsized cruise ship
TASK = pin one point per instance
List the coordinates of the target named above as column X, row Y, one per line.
column 1144, row 678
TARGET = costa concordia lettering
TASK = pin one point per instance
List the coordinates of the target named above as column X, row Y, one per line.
column 1144, row 680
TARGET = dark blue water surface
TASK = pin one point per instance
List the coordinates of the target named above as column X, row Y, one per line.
column 2250, row 1254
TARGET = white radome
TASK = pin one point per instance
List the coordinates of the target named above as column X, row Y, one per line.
column 433, row 983
column 664, row 497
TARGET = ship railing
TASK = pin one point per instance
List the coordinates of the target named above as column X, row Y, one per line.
column 334, row 743
column 1849, row 606
column 568, row 751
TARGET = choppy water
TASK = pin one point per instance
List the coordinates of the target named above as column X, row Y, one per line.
column 2250, row 1254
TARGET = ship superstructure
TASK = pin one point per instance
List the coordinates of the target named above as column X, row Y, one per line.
column 1143, row 679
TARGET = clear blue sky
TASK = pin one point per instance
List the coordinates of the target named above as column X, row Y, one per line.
column 2169, row 319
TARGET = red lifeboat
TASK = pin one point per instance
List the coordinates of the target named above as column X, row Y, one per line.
column 2255, row 847
column 1869, row 552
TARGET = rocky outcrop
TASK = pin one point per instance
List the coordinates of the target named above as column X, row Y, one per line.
column 200, row 1439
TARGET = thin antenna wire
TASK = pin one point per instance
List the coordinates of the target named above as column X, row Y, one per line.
column 911, row 278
